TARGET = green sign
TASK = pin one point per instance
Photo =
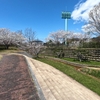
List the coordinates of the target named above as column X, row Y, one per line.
column 66, row 15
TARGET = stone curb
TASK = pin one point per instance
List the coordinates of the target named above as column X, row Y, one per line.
column 39, row 90
column 40, row 93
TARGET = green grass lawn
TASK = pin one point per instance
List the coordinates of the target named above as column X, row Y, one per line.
column 92, row 72
column 91, row 83
column 89, row 63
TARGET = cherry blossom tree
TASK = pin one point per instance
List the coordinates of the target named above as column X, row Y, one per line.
column 9, row 38
column 32, row 45
column 73, row 38
column 58, row 36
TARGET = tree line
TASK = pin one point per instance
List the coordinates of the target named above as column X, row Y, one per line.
column 25, row 41
column 83, row 39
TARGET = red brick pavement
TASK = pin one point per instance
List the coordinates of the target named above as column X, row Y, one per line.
column 15, row 81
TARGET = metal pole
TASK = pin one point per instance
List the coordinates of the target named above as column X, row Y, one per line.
column 66, row 29
column 66, row 24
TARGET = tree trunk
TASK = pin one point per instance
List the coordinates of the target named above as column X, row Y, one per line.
column 37, row 55
column 7, row 46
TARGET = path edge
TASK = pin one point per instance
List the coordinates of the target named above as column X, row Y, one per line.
column 39, row 90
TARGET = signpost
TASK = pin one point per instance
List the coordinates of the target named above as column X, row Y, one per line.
column 66, row 16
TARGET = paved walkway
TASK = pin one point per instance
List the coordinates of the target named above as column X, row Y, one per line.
column 15, row 80
column 58, row 86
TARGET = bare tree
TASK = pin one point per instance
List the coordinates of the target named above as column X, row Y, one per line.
column 94, row 19
column 29, row 34
column 89, row 29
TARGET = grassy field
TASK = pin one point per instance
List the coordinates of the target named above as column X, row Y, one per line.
column 91, row 83
column 92, row 71
column 89, row 63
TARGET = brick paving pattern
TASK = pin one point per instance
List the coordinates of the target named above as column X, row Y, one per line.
column 58, row 86
column 15, row 81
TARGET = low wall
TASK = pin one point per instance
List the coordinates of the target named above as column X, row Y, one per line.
column 91, row 54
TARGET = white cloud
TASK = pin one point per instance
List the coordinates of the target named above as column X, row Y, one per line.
column 82, row 10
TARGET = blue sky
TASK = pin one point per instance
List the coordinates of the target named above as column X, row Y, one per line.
column 43, row 16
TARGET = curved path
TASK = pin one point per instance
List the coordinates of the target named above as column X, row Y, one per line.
column 58, row 86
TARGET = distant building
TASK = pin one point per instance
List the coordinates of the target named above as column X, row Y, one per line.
column 37, row 42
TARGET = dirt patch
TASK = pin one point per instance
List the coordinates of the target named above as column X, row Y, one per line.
column 15, row 81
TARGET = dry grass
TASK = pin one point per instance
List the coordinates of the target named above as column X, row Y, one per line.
column 8, row 51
